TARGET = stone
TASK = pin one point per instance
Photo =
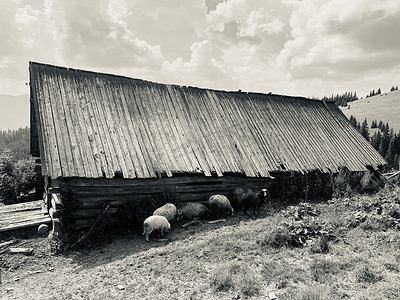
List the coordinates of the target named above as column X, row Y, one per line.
column 43, row 229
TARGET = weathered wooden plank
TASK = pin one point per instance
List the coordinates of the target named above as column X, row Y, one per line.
column 112, row 130
column 128, row 170
column 137, row 155
column 74, row 158
column 251, row 119
column 94, row 146
column 238, row 134
column 180, row 152
column 129, row 151
column 35, row 98
column 144, row 132
column 217, row 130
column 194, row 145
column 260, row 121
column 154, row 125
column 199, row 147
column 185, row 129
column 58, row 117
column 138, row 130
column 331, row 159
column 51, row 141
column 44, row 220
column 205, row 136
column 164, row 129
column 73, row 82
column 284, row 146
column 21, row 217
column 301, row 134
column 99, row 121
column 32, row 205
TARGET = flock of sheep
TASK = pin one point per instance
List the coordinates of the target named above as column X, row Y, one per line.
column 218, row 206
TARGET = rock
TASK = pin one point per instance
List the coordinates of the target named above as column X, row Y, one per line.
column 120, row 287
column 43, row 229
column 272, row 296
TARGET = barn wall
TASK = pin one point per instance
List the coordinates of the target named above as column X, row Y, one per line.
column 85, row 199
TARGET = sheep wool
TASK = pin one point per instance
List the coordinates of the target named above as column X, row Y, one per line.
column 220, row 206
column 192, row 210
column 154, row 223
column 167, row 210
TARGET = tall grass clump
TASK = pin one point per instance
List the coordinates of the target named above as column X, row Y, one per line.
column 235, row 276
column 363, row 274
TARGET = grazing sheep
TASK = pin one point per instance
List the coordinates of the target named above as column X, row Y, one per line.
column 192, row 210
column 167, row 210
column 153, row 223
column 220, row 206
column 238, row 194
column 254, row 199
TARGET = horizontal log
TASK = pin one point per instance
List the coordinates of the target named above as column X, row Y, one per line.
column 88, row 213
column 177, row 180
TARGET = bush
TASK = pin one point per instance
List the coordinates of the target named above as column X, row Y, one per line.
column 15, row 177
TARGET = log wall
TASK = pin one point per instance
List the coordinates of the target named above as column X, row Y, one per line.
column 85, row 199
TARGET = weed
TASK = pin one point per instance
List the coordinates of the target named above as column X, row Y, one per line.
column 280, row 237
column 221, row 279
column 312, row 293
column 364, row 275
column 322, row 269
column 236, row 276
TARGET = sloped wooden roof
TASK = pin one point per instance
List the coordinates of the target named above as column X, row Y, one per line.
column 98, row 125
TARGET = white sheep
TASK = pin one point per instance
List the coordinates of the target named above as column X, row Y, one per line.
column 167, row 210
column 153, row 223
column 192, row 210
column 220, row 206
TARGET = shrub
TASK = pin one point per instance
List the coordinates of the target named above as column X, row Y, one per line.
column 15, row 177
column 280, row 237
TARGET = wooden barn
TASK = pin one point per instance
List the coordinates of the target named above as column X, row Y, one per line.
column 104, row 140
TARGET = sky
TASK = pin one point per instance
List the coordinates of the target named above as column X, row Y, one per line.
column 311, row 48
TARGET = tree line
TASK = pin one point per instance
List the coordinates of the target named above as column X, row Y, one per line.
column 343, row 99
column 384, row 140
column 17, row 141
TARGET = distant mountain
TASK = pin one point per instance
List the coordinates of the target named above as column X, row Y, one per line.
column 14, row 111
column 384, row 107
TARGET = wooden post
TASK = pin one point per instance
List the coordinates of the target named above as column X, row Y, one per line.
column 55, row 213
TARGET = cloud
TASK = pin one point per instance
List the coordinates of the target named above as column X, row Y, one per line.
column 340, row 39
column 202, row 67
column 98, row 35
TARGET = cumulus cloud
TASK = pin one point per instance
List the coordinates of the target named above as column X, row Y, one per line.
column 339, row 39
column 283, row 46
column 202, row 67
column 98, row 35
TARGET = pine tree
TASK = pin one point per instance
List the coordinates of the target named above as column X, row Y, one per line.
column 390, row 153
column 364, row 129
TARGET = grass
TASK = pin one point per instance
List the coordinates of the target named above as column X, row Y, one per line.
column 380, row 107
column 242, row 258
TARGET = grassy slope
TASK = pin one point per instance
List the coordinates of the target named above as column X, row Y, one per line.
column 231, row 260
column 385, row 107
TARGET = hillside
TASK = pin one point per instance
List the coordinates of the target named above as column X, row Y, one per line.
column 14, row 111
column 384, row 107
column 280, row 254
